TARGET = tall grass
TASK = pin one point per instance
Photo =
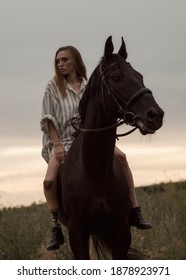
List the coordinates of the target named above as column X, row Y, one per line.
column 24, row 230
column 164, row 205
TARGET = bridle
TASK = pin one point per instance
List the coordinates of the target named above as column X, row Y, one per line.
column 128, row 117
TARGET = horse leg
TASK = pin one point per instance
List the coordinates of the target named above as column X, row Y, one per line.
column 121, row 243
column 119, row 251
column 79, row 242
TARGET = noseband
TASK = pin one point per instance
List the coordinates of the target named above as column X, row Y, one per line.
column 128, row 117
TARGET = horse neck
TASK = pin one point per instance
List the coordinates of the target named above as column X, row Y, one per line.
column 98, row 147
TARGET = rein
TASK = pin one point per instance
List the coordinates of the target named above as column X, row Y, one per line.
column 128, row 117
column 74, row 122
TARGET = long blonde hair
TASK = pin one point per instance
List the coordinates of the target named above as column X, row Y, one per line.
column 78, row 63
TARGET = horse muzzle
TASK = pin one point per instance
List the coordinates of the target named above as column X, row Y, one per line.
column 152, row 122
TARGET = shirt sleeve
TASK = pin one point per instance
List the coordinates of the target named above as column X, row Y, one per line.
column 49, row 110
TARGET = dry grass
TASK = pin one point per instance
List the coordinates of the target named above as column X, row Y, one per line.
column 24, row 231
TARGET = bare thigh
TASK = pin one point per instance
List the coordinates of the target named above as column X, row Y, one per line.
column 120, row 156
column 52, row 170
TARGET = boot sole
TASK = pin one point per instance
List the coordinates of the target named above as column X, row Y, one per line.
column 52, row 248
column 57, row 246
column 145, row 227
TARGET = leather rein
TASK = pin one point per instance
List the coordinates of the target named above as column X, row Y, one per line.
column 129, row 118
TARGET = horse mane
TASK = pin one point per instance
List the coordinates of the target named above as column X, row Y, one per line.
column 91, row 87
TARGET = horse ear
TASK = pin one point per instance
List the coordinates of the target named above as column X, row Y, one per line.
column 108, row 47
column 122, row 51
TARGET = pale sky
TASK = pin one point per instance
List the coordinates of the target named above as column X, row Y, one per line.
column 30, row 33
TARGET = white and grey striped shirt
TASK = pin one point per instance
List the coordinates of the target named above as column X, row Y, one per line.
column 60, row 110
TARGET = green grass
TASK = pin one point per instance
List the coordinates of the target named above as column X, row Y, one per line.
column 24, row 231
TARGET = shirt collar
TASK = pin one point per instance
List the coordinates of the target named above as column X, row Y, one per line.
column 83, row 85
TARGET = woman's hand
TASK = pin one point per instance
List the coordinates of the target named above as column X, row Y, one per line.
column 59, row 153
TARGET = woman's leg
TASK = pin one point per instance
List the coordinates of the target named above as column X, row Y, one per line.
column 50, row 191
column 52, row 170
column 128, row 175
column 136, row 216
column 50, row 186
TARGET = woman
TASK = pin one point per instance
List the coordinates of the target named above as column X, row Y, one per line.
column 60, row 105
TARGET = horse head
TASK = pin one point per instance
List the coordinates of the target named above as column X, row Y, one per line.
column 124, row 89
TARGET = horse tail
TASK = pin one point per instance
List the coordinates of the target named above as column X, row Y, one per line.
column 102, row 250
column 101, row 246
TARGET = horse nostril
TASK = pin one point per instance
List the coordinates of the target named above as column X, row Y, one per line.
column 152, row 114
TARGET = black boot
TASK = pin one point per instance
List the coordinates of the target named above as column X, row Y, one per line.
column 57, row 237
column 56, row 240
column 137, row 220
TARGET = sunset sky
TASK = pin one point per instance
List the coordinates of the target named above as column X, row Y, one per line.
column 32, row 31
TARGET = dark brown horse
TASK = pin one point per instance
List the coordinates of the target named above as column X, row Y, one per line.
column 95, row 195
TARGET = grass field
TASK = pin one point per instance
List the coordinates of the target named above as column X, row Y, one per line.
column 24, row 230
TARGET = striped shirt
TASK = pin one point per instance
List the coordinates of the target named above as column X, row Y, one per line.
column 59, row 110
